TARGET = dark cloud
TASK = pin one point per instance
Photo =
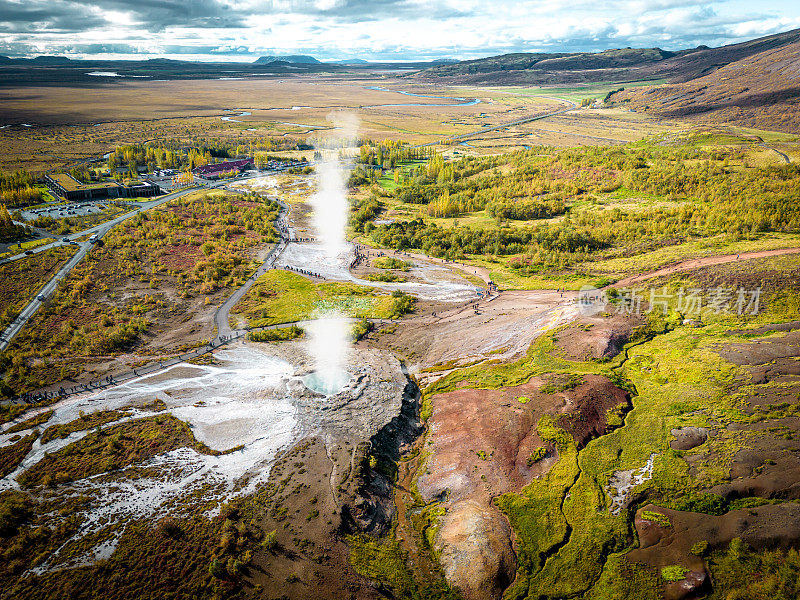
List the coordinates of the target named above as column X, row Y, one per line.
column 53, row 17
column 65, row 16
column 354, row 11
column 101, row 49
column 150, row 15
column 157, row 15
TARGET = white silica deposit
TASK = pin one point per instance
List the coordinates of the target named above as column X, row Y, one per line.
column 242, row 402
column 438, row 283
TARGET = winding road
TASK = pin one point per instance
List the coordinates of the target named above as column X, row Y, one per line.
column 482, row 130
column 84, row 247
column 696, row 263
column 222, row 316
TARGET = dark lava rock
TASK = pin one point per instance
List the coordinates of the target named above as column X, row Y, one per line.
column 687, row 438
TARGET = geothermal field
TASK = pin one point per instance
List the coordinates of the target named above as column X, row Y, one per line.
column 516, row 327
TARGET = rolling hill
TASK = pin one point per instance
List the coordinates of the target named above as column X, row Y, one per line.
column 623, row 64
column 760, row 91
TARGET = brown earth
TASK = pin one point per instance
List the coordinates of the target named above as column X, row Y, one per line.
column 596, row 337
column 303, row 507
column 661, row 546
column 502, row 328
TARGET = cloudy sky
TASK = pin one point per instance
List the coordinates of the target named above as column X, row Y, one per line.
column 226, row 30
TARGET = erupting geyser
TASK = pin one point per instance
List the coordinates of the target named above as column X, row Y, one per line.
column 330, row 204
column 329, row 337
column 329, row 341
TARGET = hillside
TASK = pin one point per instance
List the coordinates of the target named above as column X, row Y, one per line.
column 625, row 64
column 761, row 91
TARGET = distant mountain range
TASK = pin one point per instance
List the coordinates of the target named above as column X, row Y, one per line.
column 292, row 59
column 288, row 58
column 39, row 60
column 621, row 64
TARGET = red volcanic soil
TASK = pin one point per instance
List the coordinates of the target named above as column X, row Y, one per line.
column 480, row 446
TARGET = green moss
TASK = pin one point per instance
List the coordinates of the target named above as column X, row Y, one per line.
column 623, row 580
column 537, row 455
column 539, row 359
column 565, row 512
column 535, row 513
column 673, row 573
column 741, row 573
column 656, row 517
column 699, row 548
column 385, row 561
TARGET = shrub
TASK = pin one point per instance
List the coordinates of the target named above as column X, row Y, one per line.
column 537, row 455
column 673, row 573
column 270, row 542
column 699, row 548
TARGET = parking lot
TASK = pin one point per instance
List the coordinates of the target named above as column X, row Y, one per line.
column 75, row 209
column 163, row 179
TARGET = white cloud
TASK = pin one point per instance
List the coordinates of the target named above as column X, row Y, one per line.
column 384, row 29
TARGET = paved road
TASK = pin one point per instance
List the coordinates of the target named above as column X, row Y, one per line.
column 84, row 247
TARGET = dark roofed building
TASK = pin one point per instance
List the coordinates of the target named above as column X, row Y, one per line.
column 69, row 188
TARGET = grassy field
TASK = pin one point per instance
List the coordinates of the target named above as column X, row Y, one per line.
column 577, row 93
column 77, row 123
column 285, row 297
